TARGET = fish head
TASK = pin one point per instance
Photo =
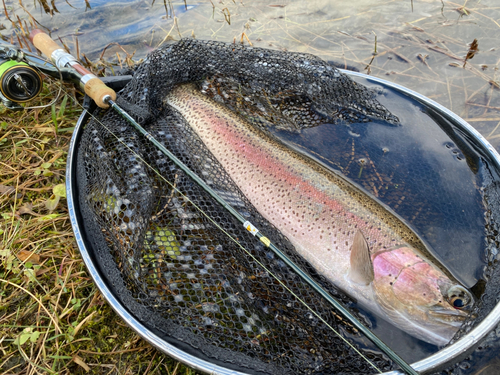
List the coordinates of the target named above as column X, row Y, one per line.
column 419, row 297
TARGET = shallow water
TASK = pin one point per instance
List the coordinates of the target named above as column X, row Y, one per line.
column 422, row 49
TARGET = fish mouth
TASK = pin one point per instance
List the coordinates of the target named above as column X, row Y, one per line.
column 448, row 316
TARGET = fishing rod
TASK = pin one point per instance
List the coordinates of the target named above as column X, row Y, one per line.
column 105, row 97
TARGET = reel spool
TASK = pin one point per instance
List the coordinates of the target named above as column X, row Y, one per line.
column 19, row 82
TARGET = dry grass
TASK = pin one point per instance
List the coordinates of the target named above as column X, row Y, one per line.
column 52, row 318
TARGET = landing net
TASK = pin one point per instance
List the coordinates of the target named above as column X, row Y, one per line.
column 169, row 264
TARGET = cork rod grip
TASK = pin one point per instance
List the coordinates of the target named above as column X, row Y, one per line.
column 93, row 86
column 97, row 90
column 43, row 42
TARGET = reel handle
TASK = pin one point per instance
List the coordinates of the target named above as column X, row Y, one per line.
column 91, row 84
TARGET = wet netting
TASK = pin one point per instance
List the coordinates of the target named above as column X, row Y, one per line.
column 156, row 234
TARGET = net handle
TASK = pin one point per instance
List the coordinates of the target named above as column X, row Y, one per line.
column 90, row 83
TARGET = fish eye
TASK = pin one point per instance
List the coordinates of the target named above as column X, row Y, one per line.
column 459, row 297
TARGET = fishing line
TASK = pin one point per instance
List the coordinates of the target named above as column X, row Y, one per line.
column 262, row 238
column 252, row 229
column 104, row 96
column 234, row 240
column 227, row 234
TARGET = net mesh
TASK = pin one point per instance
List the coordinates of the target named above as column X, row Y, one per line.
column 158, row 240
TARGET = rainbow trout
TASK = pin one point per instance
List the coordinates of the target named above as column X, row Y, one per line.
column 356, row 242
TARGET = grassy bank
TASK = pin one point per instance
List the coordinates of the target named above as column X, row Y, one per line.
column 53, row 320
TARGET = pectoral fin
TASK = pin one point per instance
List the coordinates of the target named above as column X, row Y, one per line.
column 361, row 271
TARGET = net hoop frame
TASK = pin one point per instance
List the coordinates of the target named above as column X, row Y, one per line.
column 435, row 362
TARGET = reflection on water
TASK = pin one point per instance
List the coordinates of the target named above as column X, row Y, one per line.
column 423, row 170
column 416, row 169
column 422, row 49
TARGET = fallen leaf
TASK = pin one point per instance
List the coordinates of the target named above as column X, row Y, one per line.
column 25, row 255
column 473, row 49
column 52, row 202
column 79, row 361
column 60, row 190
column 29, row 275
column 26, row 208
column 41, row 271
column 6, row 189
column 49, row 217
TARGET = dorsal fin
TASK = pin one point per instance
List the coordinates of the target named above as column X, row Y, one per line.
column 361, row 271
